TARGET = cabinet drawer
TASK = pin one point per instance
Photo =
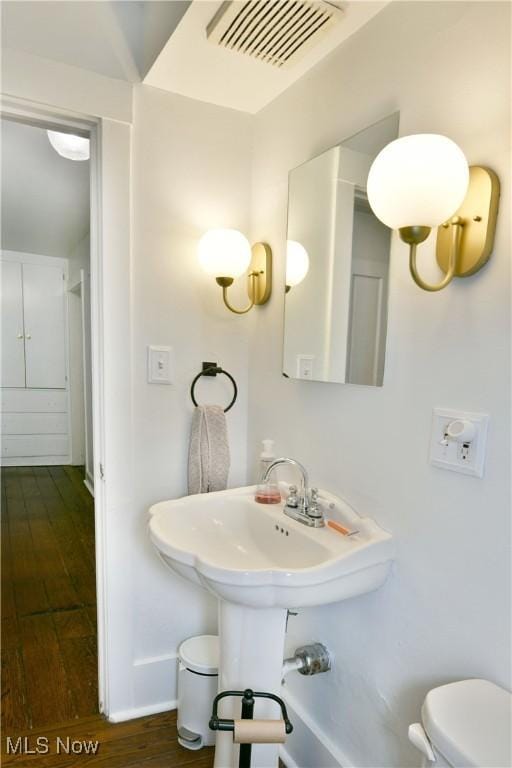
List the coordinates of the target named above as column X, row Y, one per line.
column 34, row 401
column 34, row 445
column 34, row 424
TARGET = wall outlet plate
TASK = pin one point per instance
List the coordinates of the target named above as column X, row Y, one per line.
column 469, row 459
column 160, row 365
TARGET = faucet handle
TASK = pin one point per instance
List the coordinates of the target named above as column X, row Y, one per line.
column 293, row 499
column 314, row 509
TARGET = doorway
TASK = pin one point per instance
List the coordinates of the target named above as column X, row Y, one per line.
column 49, row 663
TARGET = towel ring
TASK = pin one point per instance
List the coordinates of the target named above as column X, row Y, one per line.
column 213, row 370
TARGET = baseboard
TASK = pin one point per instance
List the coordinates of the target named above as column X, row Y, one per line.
column 154, row 688
column 34, row 461
column 308, row 746
column 149, row 709
column 90, row 487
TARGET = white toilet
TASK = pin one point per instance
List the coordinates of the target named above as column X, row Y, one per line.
column 467, row 724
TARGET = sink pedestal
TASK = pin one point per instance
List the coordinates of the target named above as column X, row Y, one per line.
column 251, row 656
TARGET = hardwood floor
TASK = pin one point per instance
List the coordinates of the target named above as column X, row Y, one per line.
column 149, row 742
column 49, row 668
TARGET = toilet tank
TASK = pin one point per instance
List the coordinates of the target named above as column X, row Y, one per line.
column 467, row 724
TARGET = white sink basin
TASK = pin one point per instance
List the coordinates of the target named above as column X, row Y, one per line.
column 259, row 563
column 253, row 554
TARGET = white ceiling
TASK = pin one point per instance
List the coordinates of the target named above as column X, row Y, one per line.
column 163, row 43
column 45, row 198
column 116, row 38
column 194, row 67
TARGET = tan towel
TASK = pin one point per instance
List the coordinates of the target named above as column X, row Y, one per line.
column 208, row 456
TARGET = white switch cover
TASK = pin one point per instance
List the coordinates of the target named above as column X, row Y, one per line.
column 458, row 457
column 160, row 365
column 305, row 365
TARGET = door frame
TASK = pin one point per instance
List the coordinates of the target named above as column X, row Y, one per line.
column 27, row 112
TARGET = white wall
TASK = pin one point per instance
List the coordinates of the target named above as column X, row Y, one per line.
column 80, row 359
column 53, row 84
column 79, row 258
column 445, row 612
column 45, row 197
column 191, row 166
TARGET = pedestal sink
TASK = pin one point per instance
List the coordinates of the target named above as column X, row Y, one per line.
column 259, row 563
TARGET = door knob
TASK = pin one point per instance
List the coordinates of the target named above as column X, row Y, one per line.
column 28, row 336
column 20, row 336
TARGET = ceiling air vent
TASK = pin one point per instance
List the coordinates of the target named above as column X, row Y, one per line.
column 273, row 31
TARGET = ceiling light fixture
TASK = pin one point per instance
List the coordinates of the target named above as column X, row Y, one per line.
column 70, row 146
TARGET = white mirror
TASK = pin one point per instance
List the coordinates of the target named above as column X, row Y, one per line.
column 337, row 266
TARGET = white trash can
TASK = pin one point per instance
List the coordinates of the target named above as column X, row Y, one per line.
column 198, row 672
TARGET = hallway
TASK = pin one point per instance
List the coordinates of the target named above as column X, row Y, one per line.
column 48, row 597
column 49, row 657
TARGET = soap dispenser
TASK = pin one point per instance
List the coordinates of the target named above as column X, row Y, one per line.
column 267, row 492
column 267, row 456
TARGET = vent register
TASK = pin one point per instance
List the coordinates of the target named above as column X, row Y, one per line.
column 272, row 31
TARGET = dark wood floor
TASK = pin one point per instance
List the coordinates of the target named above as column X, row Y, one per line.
column 149, row 742
column 49, row 667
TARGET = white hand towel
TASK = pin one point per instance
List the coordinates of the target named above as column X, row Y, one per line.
column 208, row 457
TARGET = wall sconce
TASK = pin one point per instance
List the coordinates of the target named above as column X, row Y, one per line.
column 297, row 264
column 423, row 181
column 226, row 254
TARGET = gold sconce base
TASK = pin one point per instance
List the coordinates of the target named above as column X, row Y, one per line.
column 260, row 289
column 478, row 215
column 259, row 280
column 464, row 244
column 414, row 235
column 224, row 282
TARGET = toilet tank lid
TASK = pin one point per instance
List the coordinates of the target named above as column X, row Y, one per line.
column 469, row 722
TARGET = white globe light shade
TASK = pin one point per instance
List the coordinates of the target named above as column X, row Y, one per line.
column 297, row 263
column 224, row 253
column 69, row 146
column 418, row 180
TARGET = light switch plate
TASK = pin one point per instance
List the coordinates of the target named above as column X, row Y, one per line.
column 305, row 365
column 455, row 457
column 160, row 365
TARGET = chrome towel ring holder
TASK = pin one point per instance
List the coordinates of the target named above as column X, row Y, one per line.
column 212, row 369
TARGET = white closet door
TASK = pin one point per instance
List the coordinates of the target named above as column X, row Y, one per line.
column 45, row 340
column 11, row 303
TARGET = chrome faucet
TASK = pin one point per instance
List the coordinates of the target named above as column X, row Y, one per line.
column 305, row 506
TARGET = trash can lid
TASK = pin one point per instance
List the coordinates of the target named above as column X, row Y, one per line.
column 200, row 654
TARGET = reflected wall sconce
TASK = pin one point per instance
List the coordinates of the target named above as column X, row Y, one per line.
column 297, row 264
column 423, row 181
column 226, row 254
